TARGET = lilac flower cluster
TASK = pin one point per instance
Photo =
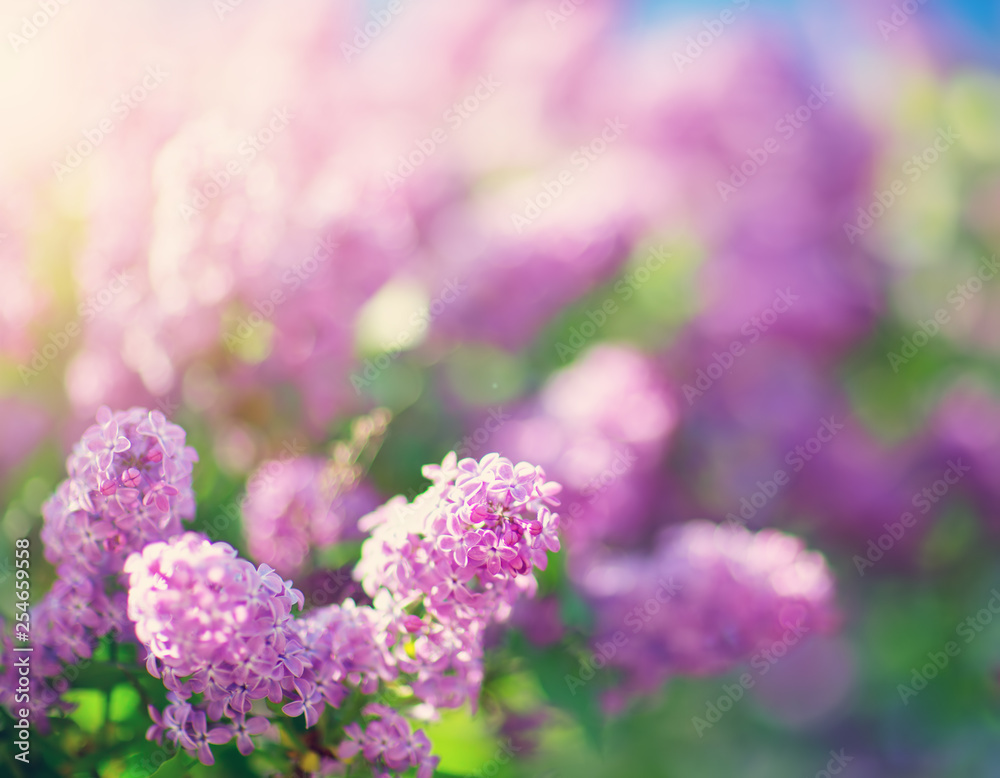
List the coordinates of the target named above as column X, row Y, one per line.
column 216, row 625
column 388, row 744
column 600, row 426
column 74, row 612
column 707, row 598
column 220, row 632
column 221, row 635
column 290, row 512
column 456, row 558
column 438, row 570
column 188, row 727
column 129, row 484
column 346, row 646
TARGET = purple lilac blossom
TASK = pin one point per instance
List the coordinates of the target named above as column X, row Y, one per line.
column 600, row 426
column 706, row 599
column 966, row 429
column 220, row 632
column 129, row 484
column 439, row 570
column 214, row 624
column 388, row 744
column 454, row 559
column 289, row 512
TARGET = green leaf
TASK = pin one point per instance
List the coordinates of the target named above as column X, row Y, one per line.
column 175, row 767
